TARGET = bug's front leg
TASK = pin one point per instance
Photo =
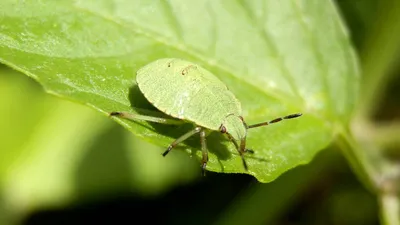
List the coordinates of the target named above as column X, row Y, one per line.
column 246, row 150
column 241, row 150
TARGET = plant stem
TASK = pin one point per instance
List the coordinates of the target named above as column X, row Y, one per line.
column 379, row 54
column 359, row 160
column 387, row 135
column 390, row 208
column 377, row 173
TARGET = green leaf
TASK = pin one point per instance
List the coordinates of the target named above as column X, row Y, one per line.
column 277, row 57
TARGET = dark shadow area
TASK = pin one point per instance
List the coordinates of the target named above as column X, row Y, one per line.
column 198, row 203
column 332, row 196
column 214, row 141
column 358, row 15
column 388, row 108
column 336, row 197
column 138, row 100
column 105, row 165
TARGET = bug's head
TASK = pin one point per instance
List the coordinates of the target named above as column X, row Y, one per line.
column 235, row 126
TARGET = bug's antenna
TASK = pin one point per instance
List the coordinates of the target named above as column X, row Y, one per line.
column 291, row 116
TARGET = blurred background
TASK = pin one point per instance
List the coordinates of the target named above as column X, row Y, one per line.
column 121, row 177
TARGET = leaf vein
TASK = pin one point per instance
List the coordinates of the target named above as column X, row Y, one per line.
column 269, row 44
column 184, row 48
column 321, row 66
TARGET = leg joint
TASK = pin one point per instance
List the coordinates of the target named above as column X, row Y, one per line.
column 198, row 129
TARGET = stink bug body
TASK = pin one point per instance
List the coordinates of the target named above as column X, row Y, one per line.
column 191, row 94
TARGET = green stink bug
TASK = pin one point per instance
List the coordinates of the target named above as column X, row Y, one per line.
column 191, row 94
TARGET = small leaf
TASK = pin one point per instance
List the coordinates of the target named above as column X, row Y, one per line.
column 277, row 57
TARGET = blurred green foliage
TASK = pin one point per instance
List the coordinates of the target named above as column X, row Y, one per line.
column 54, row 152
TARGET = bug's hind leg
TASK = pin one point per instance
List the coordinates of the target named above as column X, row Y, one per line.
column 182, row 138
column 204, row 151
column 132, row 116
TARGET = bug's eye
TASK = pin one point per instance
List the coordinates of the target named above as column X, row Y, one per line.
column 222, row 129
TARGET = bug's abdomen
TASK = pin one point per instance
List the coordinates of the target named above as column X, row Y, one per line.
column 186, row 91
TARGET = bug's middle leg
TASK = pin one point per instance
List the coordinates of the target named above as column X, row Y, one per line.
column 182, row 138
column 204, row 151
